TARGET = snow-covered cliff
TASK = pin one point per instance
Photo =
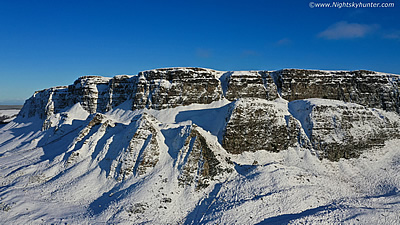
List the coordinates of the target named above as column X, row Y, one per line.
column 250, row 123
column 196, row 146
column 168, row 88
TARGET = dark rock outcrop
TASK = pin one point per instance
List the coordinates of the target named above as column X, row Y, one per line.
column 120, row 89
column 254, row 84
column 168, row 88
column 372, row 89
column 257, row 124
column 142, row 153
column 201, row 164
column 339, row 130
column 45, row 102
column 90, row 92
column 155, row 89
column 259, row 120
column 350, row 131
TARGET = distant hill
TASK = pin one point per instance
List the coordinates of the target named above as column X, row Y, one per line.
column 9, row 107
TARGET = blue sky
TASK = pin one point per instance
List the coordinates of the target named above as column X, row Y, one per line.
column 51, row 43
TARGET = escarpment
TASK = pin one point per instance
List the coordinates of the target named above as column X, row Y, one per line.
column 168, row 88
column 155, row 89
column 257, row 124
column 172, row 87
column 336, row 114
column 367, row 88
column 200, row 146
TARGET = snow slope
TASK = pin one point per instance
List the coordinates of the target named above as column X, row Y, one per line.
column 44, row 180
column 171, row 147
column 8, row 115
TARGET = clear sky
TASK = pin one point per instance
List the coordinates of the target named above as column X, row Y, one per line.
column 51, row 43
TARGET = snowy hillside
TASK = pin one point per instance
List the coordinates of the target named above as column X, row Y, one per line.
column 8, row 113
column 198, row 146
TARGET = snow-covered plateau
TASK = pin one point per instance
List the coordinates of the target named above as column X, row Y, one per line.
column 199, row 146
column 8, row 113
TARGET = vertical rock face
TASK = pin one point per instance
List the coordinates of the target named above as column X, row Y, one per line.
column 345, row 131
column 366, row 88
column 167, row 88
column 45, row 102
column 100, row 158
column 333, row 129
column 339, row 130
column 261, row 119
column 120, row 89
column 253, row 84
column 257, row 124
column 90, row 92
column 156, row 89
column 269, row 84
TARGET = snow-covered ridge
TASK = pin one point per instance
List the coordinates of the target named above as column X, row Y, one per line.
column 223, row 162
column 8, row 115
column 171, row 87
column 368, row 88
column 198, row 146
column 296, row 123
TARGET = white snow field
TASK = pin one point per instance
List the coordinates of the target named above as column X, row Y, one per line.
column 69, row 174
column 6, row 115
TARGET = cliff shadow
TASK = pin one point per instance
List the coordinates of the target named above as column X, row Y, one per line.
column 196, row 215
column 114, row 146
column 286, row 218
column 112, row 196
column 57, row 141
column 174, row 140
column 213, row 120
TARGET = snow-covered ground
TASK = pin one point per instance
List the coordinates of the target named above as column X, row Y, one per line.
column 8, row 114
column 40, row 181
column 295, row 187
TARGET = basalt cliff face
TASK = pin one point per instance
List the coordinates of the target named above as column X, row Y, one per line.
column 191, row 145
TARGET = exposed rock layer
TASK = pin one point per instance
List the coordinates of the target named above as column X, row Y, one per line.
column 257, row 124
column 168, row 88
column 258, row 121
column 345, row 130
column 201, row 164
column 254, row 84
column 372, row 89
